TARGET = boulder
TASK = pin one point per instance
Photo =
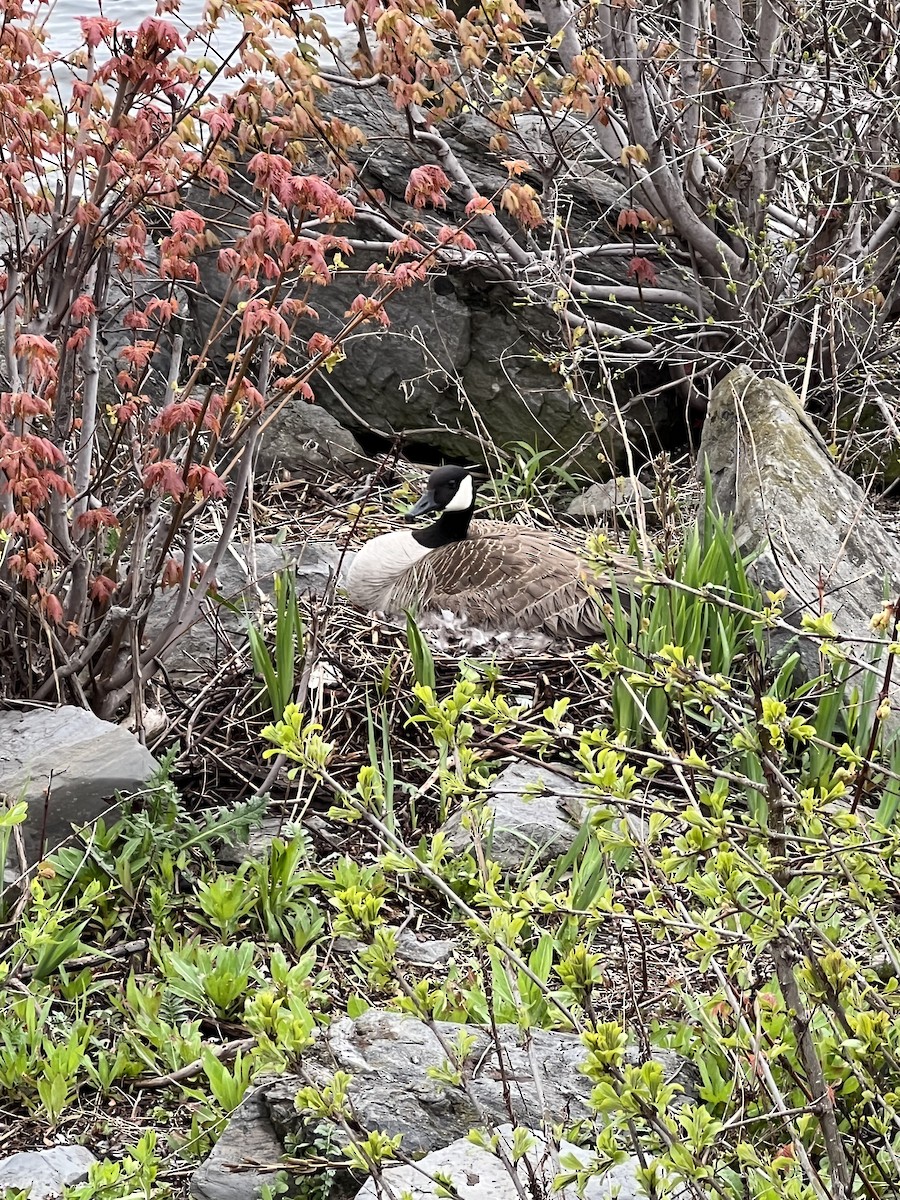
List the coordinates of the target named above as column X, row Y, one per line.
column 258, row 844
column 468, row 356
column 535, row 814
column 305, row 437
column 243, row 581
column 244, row 1159
column 68, row 765
column 530, row 818
column 814, row 531
column 46, row 1172
column 389, row 1057
column 426, row 953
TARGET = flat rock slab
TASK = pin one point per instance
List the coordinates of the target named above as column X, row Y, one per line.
column 82, row 760
column 817, row 535
column 480, row 1175
column 46, row 1172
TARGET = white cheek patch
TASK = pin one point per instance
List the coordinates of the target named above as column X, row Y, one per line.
column 464, row 496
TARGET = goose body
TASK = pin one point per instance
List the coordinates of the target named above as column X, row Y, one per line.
column 481, row 575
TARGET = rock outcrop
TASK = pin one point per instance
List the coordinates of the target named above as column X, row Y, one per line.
column 533, row 814
column 812, row 528
column 467, row 357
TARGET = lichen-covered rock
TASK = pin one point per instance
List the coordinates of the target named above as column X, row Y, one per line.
column 389, row 1056
column 814, row 530
column 244, row 1159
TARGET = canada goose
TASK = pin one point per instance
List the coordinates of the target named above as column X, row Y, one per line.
column 486, row 575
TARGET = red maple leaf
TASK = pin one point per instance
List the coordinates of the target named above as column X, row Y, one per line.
column 642, row 270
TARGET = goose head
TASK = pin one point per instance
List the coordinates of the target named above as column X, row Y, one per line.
column 448, row 490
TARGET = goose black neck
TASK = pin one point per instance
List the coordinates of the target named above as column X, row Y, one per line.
column 449, row 527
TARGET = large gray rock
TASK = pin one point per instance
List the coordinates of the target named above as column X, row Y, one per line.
column 306, row 436
column 243, row 581
column 68, row 765
column 46, row 1172
column 466, row 357
column 426, row 953
column 817, row 535
column 478, row 1174
column 389, row 1056
column 534, row 814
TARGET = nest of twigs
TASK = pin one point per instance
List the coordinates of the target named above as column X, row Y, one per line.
column 352, row 664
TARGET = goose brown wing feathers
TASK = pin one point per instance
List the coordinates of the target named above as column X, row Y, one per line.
column 525, row 581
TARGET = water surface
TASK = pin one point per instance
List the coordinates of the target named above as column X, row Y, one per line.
column 65, row 31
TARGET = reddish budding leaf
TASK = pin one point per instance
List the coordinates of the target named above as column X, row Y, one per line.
column 95, row 30
column 427, row 185
column 137, row 355
column 369, row 309
column 77, row 340
column 642, row 270
column 204, row 482
column 102, row 589
column 165, row 477
column 180, row 414
column 172, row 573
column 51, row 608
column 83, row 307
column 448, row 235
column 95, row 518
column 404, row 245
column 480, row 204
column 628, row 219
column 406, row 274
